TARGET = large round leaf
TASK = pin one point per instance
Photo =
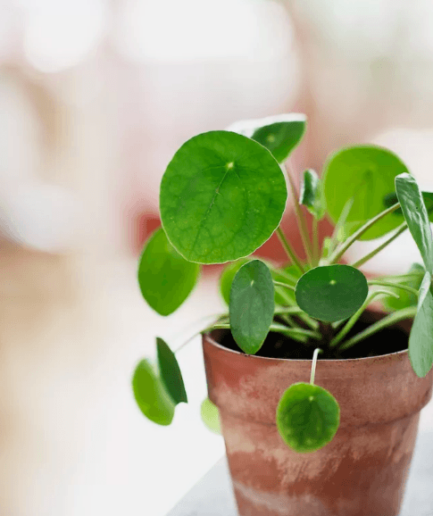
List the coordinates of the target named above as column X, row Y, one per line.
column 222, row 196
column 332, row 292
column 308, row 417
column 366, row 174
column 170, row 372
column 251, row 306
column 166, row 279
column 151, row 396
column 280, row 134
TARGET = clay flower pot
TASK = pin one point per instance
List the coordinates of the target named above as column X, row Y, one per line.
column 361, row 472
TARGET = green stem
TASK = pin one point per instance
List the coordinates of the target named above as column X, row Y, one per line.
column 302, row 223
column 316, row 251
column 338, row 253
column 288, row 248
column 284, row 274
column 313, row 367
column 401, row 229
column 284, row 285
column 340, row 223
column 402, row 277
column 351, row 322
column 278, row 328
column 394, row 285
column 400, row 315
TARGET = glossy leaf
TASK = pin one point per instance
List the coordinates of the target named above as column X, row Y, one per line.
column 331, row 293
column 421, row 335
column 222, row 196
column 251, row 306
column 166, row 279
column 366, row 174
column 308, row 417
column 280, row 134
column 283, row 296
column 415, row 214
column 151, row 396
column 312, row 194
column 228, row 275
column 170, row 372
column 405, row 298
column 210, row 416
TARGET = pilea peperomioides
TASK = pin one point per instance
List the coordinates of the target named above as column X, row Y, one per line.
column 222, row 196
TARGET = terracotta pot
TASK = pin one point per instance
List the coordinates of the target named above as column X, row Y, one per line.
column 361, row 472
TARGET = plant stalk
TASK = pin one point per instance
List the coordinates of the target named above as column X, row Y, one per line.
column 302, row 222
column 401, row 229
column 284, row 285
column 352, row 321
column 394, row 285
column 313, row 367
column 400, row 315
column 288, row 248
column 338, row 253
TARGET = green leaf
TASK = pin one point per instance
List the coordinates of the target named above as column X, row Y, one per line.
column 280, row 134
column 166, row 279
column 170, row 372
column 331, row 293
column 415, row 214
column 151, row 396
column 421, row 335
column 405, row 299
column 312, row 194
column 210, row 416
column 228, row 275
column 366, row 174
column 283, row 296
column 251, row 306
column 308, row 417
column 222, row 196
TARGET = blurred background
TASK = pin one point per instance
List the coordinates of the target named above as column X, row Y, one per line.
column 95, row 98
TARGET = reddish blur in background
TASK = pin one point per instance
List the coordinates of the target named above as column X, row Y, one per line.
column 95, row 98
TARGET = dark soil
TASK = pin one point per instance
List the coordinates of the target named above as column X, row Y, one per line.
column 389, row 340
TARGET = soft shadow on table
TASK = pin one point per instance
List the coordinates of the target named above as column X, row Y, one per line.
column 213, row 495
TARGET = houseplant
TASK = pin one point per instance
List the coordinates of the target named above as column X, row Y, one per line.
column 342, row 443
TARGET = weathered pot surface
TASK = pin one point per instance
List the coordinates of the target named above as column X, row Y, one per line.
column 361, row 472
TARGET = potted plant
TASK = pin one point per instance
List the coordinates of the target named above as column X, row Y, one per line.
column 318, row 391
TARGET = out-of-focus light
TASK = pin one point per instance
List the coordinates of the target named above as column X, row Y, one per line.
column 169, row 30
column 44, row 217
column 60, row 34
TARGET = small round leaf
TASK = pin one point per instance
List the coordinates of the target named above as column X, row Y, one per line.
column 366, row 174
column 312, row 194
column 210, row 416
column 308, row 417
column 170, row 372
column 151, row 396
column 222, row 196
column 331, row 293
column 166, row 279
column 280, row 134
column 251, row 306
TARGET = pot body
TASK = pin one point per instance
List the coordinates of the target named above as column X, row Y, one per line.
column 361, row 472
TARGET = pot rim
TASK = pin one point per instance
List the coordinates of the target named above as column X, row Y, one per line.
column 212, row 341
